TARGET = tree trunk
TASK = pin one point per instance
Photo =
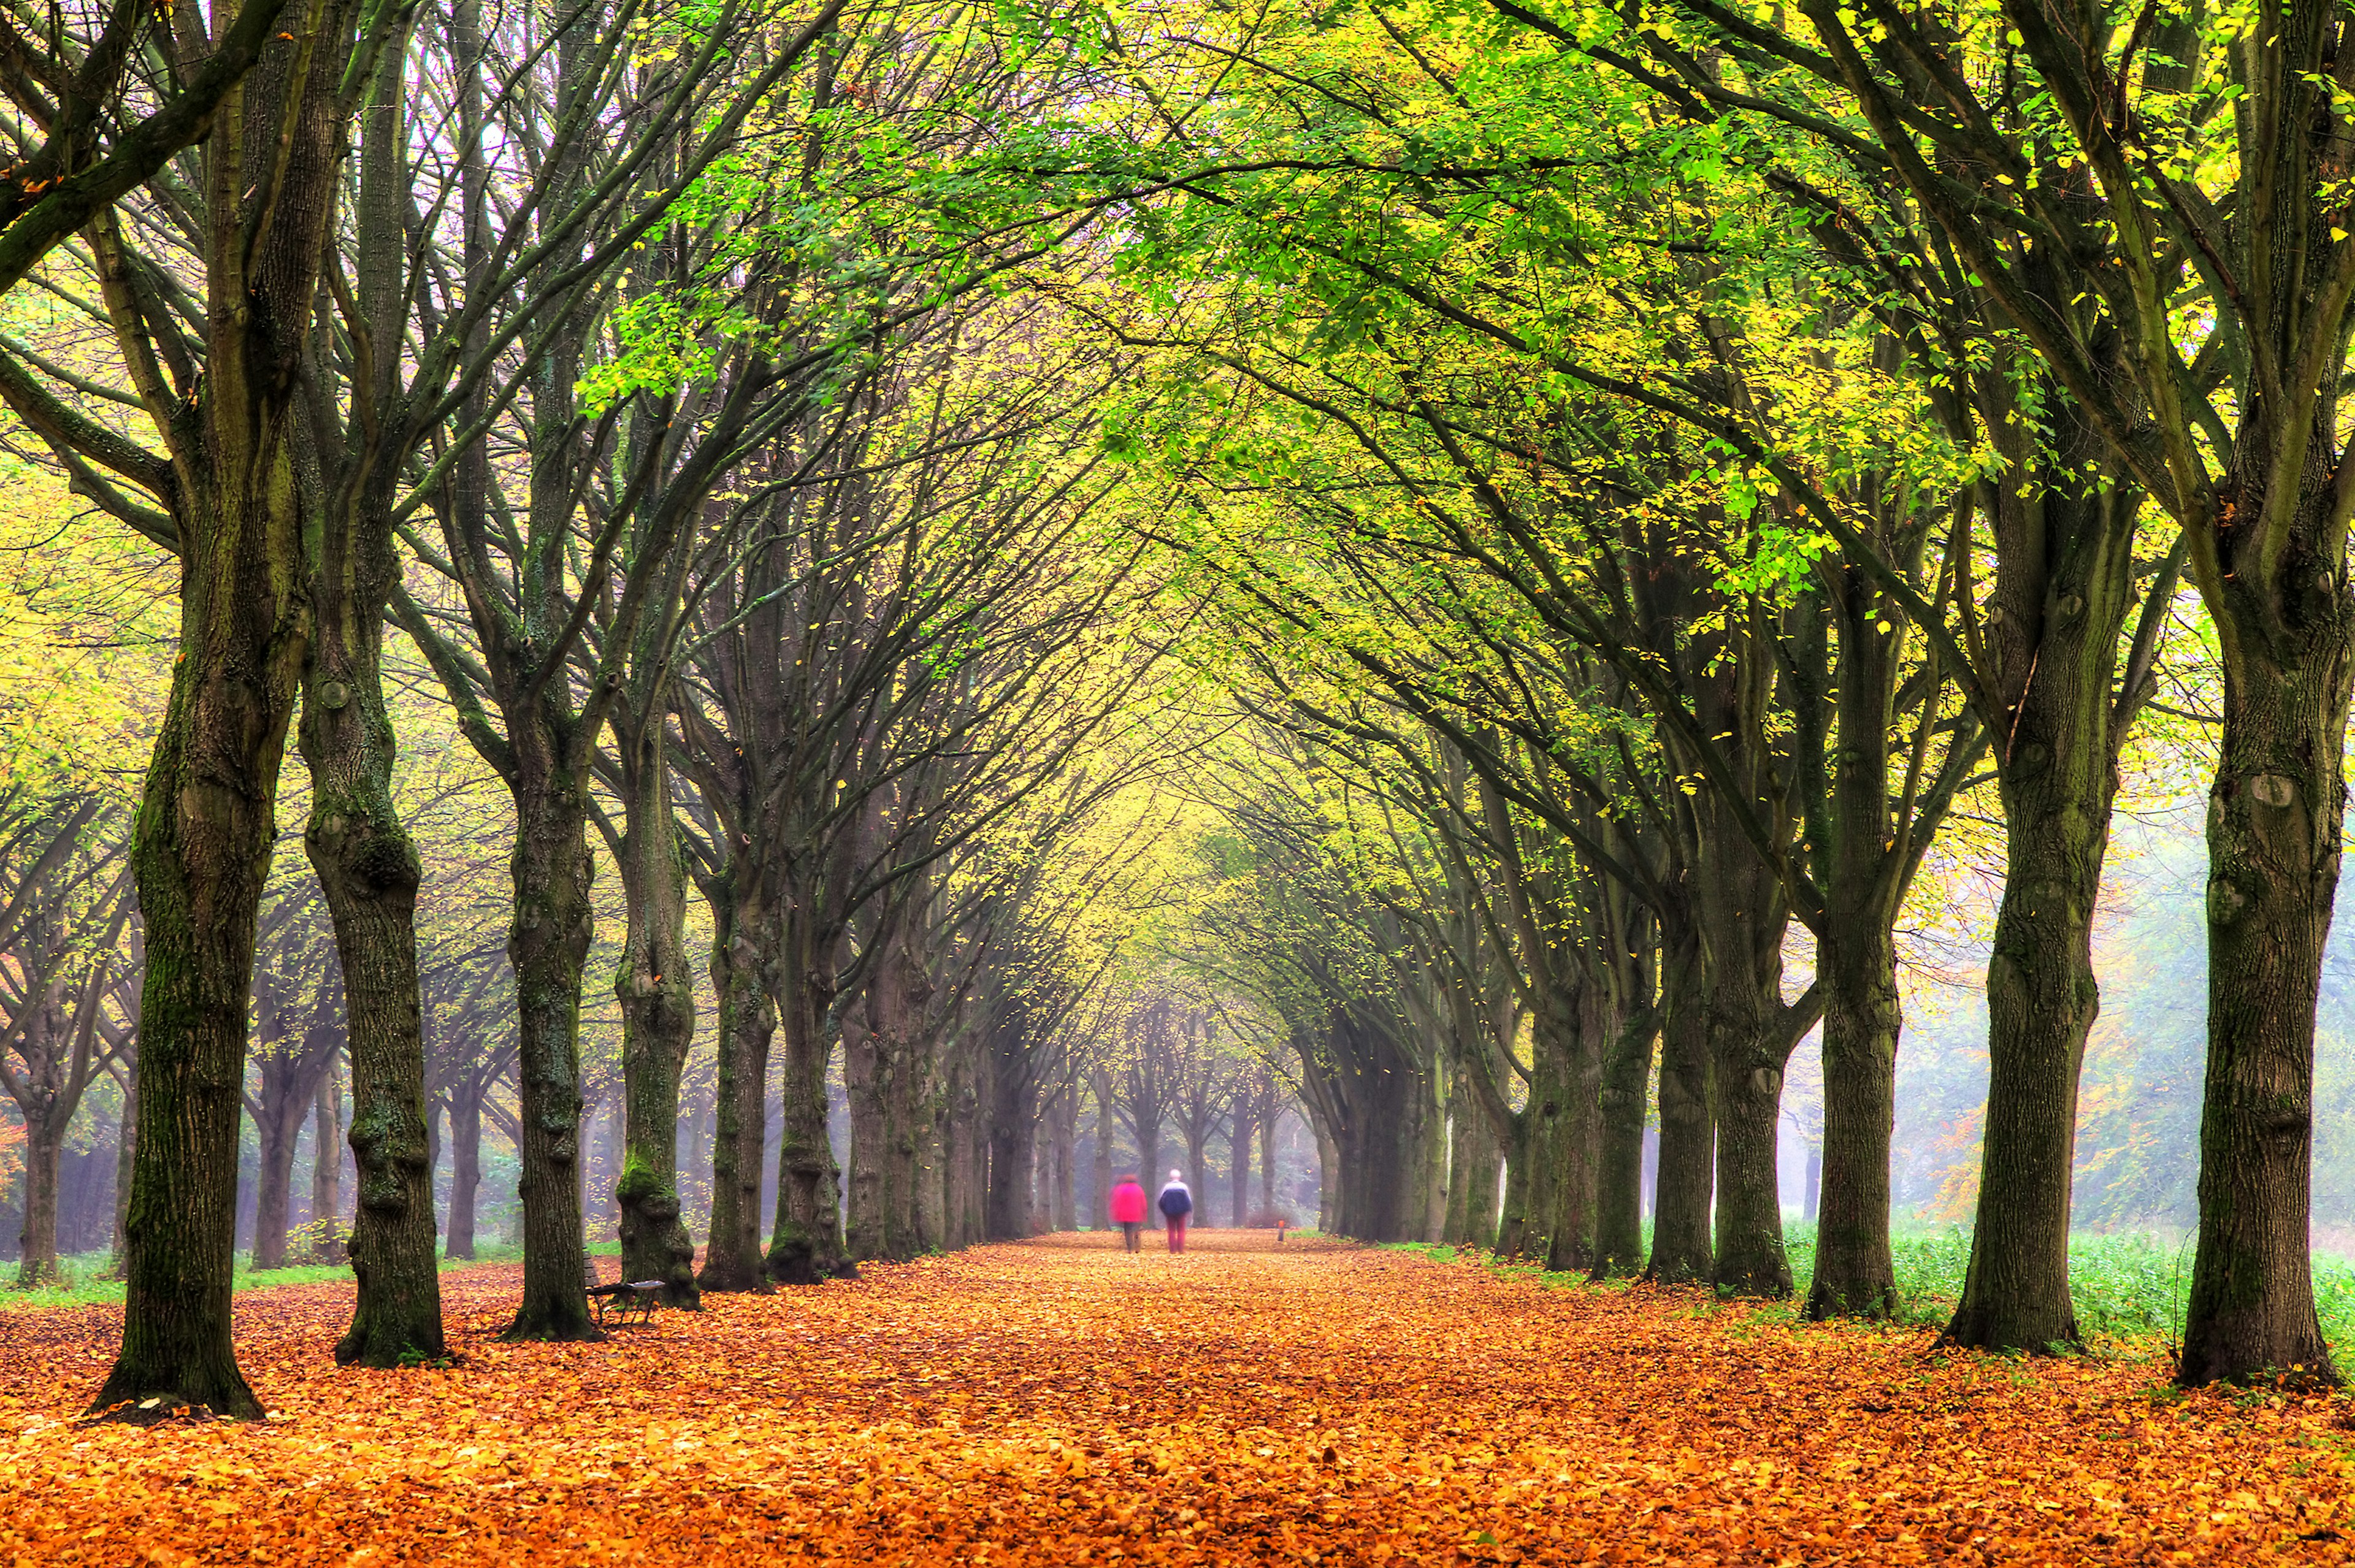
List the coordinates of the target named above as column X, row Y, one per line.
column 328, row 1168
column 1011, row 1118
column 548, row 944
column 806, row 1245
column 1743, row 920
column 1468, row 1147
column 1619, row 1164
column 657, row 1001
column 2041, row 1000
column 45, row 1144
column 127, row 1146
column 910, row 1159
column 1270, row 1121
column 1328, row 1188
column 1856, row 1275
column 1576, row 1140
column 1150, row 1173
column 2274, row 836
column 1102, row 1173
column 1061, row 1197
column 1013, row 1146
column 965, row 1151
column 1516, row 1236
column 466, row 1166
column 937, row 1156
column 741, row 936
column 1239, row 1147
column 369, row 870
column 1532, row 1206
column 1688, row 1143
column 202, row 850
column 866, row 1079
column 1480, row 1198
column 278, row 1127
column 207, row 826
column 1198, row 1171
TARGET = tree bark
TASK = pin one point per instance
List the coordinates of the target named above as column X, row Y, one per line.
column 369, row 869
column 2274, row 842
column 548, row 944
column 367, row 865
column 1239, row 1148
column 1269, row 1119
column 1329, row 1186
column 1577, row 1133
column 1011, row 1118
column 45, row 1144
column 1474, row 1167
column 1102, row 1175
column 1743, row 916
column 1687, row 1144
column 466, row 1168
column 1856, row 1275
column 741, row 936
column 964, row 1149
column 867, row 1081
column 1198, row 1171
column 805, row 1244
column 278, row 1127
column 127, row 1146
column 1532, row 1206
column 2058, row 773
column 908, row 1158
column 206, row 827
column 1619, row 1164
column 658, row 1002
column 328, row 1168
column 1061, row 1179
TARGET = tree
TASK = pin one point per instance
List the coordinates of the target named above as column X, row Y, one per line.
column 64, row 908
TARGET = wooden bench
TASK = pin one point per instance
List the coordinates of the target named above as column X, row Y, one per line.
column 633, row 1300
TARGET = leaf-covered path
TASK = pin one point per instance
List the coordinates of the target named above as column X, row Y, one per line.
column 1056, row 1403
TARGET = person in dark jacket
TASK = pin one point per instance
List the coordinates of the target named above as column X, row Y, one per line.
column 1128, row 1210
column 1177, row 1205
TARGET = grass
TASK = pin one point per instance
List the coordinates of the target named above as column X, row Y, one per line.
column 83, row 1282
column 2129, row 1290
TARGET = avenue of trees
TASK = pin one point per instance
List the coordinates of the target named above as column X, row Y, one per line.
column 1019, row 578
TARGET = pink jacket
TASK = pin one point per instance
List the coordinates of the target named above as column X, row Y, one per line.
column 1128, row 1204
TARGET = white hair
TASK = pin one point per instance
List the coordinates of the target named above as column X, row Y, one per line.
column 1177, row 1175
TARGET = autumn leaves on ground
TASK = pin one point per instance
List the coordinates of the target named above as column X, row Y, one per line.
column 1060, row 1402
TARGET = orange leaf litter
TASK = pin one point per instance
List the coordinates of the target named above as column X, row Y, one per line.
column 1056, row 1402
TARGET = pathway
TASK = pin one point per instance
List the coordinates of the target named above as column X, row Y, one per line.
column 1056, row 1403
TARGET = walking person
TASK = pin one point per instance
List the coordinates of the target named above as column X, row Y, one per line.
column 1128, row 1210
column 1177, row 1206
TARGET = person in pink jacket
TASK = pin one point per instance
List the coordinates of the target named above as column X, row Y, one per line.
column 1128, row 1210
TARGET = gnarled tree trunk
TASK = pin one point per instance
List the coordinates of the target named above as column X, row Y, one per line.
column 548, row 944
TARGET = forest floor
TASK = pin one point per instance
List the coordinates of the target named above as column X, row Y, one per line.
column 1057, row 1402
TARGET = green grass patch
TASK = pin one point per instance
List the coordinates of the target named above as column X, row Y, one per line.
column 83, row 1280
column 2129, row 1288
